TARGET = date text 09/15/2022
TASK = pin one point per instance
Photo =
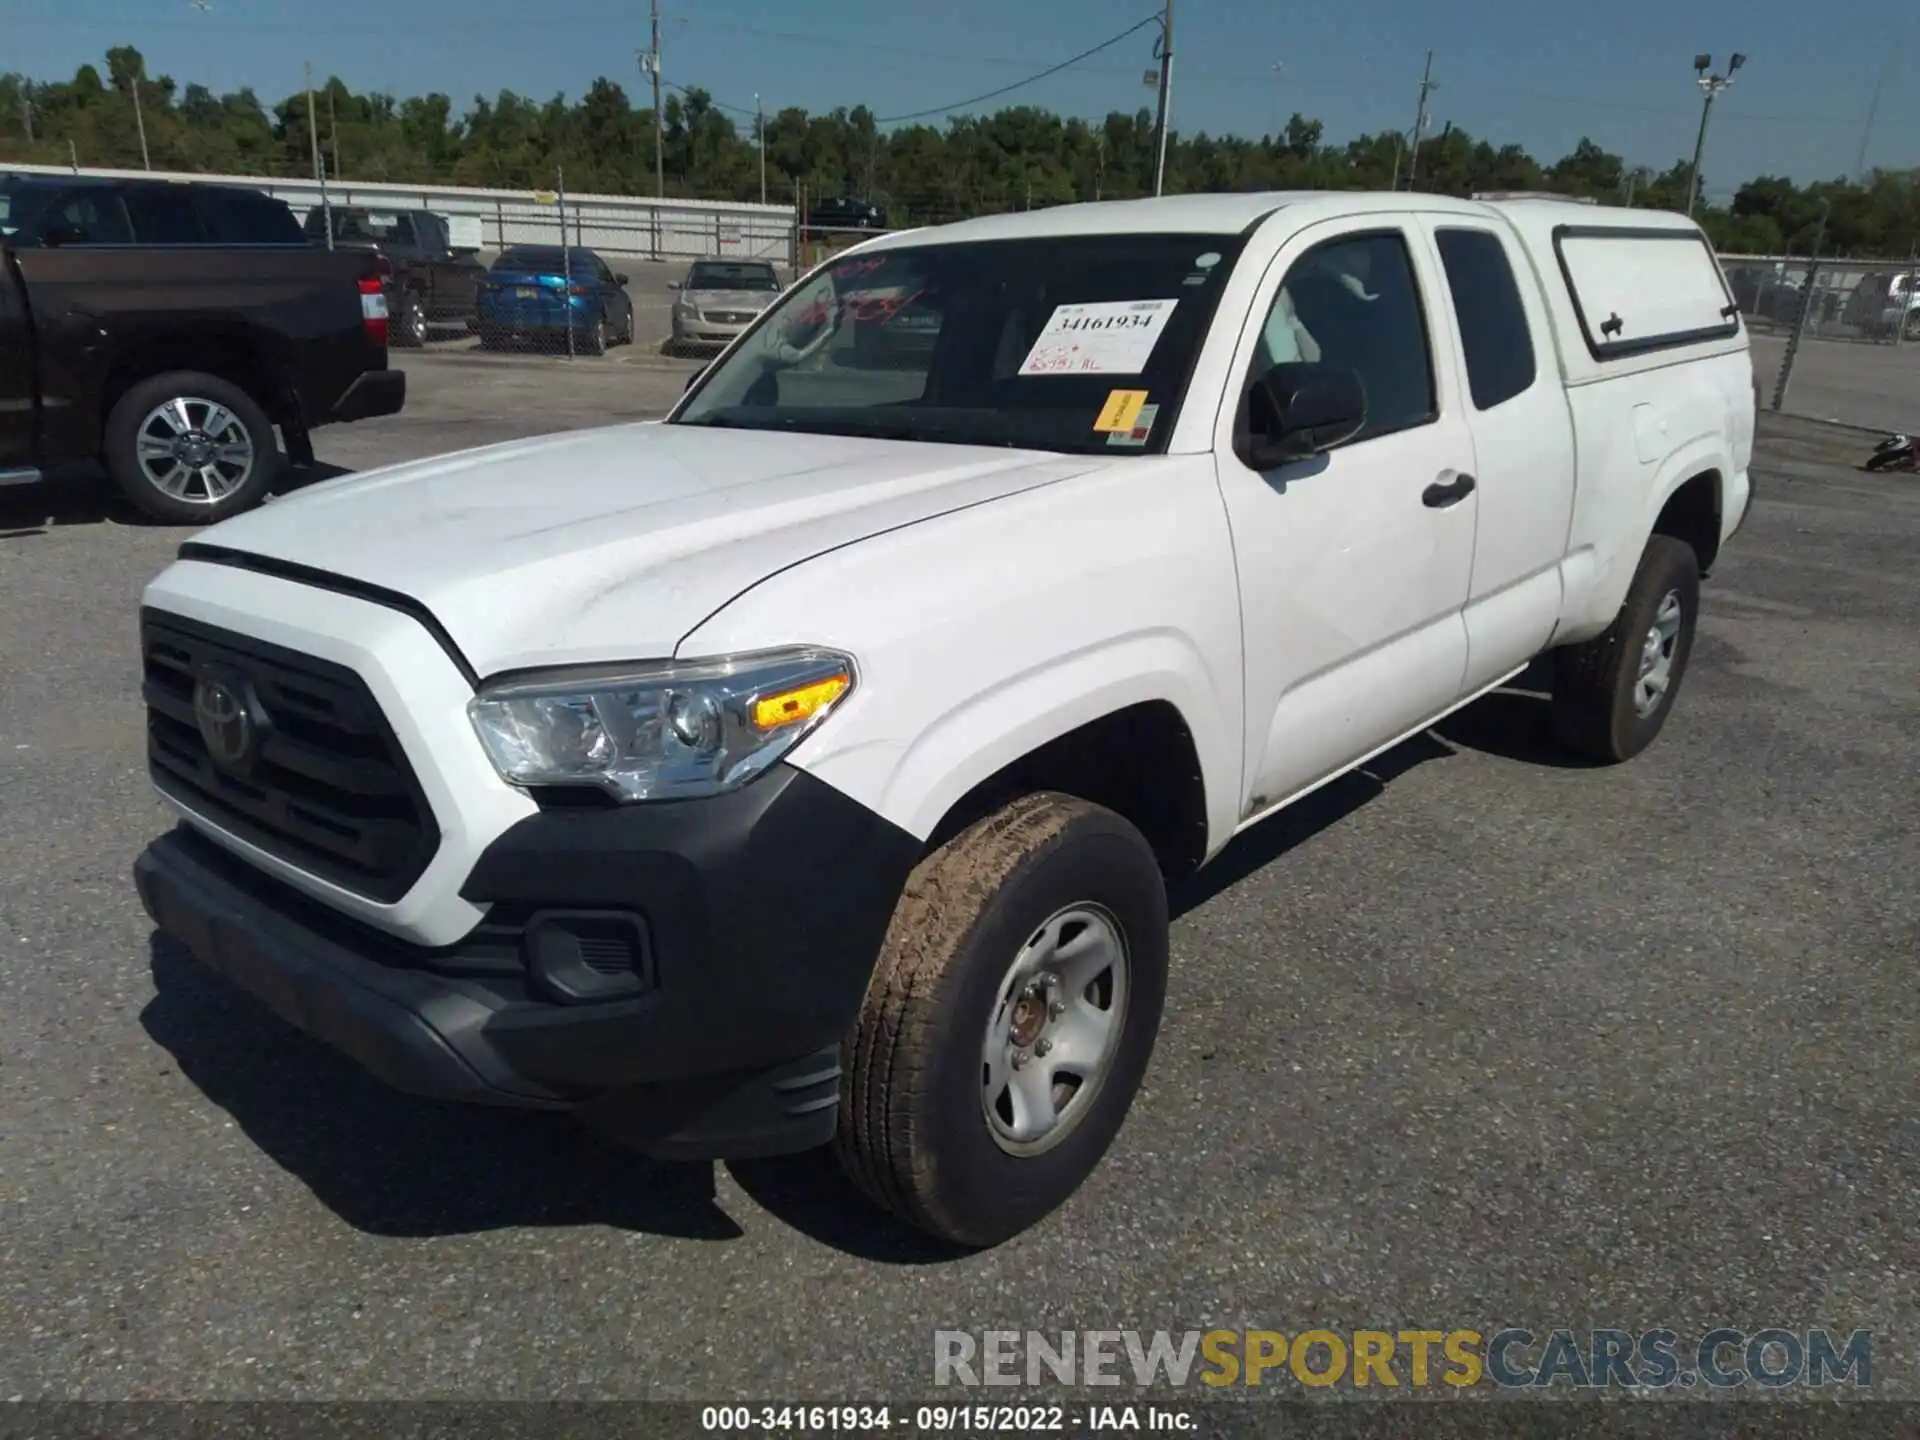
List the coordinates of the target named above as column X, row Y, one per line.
column 942, row 1419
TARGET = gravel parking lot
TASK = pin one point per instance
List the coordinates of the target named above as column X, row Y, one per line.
column 1477, row 1038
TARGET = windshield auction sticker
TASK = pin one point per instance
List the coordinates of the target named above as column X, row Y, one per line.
column 1111, row 337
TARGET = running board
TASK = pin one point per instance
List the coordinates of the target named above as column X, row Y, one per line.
column 25, row 476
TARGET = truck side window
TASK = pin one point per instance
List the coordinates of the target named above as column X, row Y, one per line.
column 1493, row 321
column 88, row 217
column 163, row 215
column 249, row 217
column 403, row 231
column 1354, row 302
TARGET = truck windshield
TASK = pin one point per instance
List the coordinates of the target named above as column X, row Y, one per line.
column 1071, row 343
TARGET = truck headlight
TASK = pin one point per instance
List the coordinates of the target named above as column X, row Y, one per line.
column 666, row 731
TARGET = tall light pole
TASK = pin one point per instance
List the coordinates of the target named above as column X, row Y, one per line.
column 1710, row 87
column 650, row 62
column 1427, row 86
column 319, row 170
column 139, row 120
column 1165, row 48
column 760, row 127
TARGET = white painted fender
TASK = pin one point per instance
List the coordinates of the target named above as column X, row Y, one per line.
column 1003, row 626
column 1613, row 566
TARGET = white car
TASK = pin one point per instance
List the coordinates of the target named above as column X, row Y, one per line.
column 810, row 767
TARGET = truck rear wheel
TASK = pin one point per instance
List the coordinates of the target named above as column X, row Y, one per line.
column 1009, row 1021
column 191, row 449
column 1612, row 694
column 409, row 327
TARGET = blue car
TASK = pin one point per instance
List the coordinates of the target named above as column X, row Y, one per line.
column 530, row 293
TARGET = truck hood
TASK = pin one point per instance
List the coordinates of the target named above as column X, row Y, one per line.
column 613, row 544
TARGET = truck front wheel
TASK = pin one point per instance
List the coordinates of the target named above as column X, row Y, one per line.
column 190, row 449
column 1613, row 693
column 1009, row 1021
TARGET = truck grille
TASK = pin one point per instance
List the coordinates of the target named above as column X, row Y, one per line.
column 728, row 317
column 321, row 782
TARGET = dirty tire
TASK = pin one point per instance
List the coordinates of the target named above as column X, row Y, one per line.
column 913, row 1132
column 119, row 447
column 1594, row 682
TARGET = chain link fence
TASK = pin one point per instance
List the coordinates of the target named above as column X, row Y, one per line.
column 571, row 279
column 1835, row 340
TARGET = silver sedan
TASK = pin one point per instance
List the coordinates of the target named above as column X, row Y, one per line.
column 719, row 299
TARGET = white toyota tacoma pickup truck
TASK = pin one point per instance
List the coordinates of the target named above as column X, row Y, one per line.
column 809, row 767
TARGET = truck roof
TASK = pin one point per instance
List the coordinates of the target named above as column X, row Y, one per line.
column 1217, row 214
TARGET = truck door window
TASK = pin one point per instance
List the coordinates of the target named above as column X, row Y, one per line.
column 88, row 217
column 1493, row 320
column 403, row 233
column 163, row 215
column 1354, row 302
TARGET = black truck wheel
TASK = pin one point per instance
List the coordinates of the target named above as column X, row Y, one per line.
column 1613, row 693
column 190, row 449
column 1009, row 1020
column 409, row 327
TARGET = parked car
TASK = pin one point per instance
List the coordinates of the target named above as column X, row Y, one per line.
column 173, row 363
column 430, row 281
column 721, row 298
column 50, row 210
column 811, row 766
column 839, row 213
column 530, row 293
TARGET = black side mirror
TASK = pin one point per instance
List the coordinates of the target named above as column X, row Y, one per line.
column 55, row 236
column 619, row 278
column 1295, row 411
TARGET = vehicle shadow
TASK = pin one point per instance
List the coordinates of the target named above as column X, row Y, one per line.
column 1515, row 722
column 85, row 495
column 397, row 1165
column 391, row 1164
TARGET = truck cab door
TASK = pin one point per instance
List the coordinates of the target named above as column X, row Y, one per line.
column 1522, row 422
column 1354, row 564
column 18, row 416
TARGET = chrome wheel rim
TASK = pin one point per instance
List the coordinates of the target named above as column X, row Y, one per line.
column 1656, row 656
column 194, row 450
column 1055, row 1029
column 417, row 325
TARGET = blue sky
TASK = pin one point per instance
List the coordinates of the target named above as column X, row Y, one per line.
column 1619, row 71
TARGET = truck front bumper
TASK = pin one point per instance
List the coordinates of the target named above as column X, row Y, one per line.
column 727, row 947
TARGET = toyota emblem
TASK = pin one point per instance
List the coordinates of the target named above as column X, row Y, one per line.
column 225, row 725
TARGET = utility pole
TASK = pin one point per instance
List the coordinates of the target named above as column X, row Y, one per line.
column 313, row 144
column 760, row 126
column 1710, row 87
column 139, row 119
column 1166, row 92
column 1427, row 86
column 659, row 119
column 333, row 133
column 1866, row 130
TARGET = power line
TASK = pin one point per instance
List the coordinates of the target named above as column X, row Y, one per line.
column 1018, row 84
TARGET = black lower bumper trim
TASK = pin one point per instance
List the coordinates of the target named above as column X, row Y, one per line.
column 762, row 913
column 372, row 394
column 415, row 1030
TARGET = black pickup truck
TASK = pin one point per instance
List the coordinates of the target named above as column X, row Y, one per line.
column 137, row 330
column 430, row 281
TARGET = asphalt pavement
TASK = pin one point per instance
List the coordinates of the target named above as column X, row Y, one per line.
column 1479, row 1037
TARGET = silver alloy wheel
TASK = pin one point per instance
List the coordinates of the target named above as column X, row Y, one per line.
column 417, row 323
column 194, row 450
column 1055, row 1029
column 1656, row 656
